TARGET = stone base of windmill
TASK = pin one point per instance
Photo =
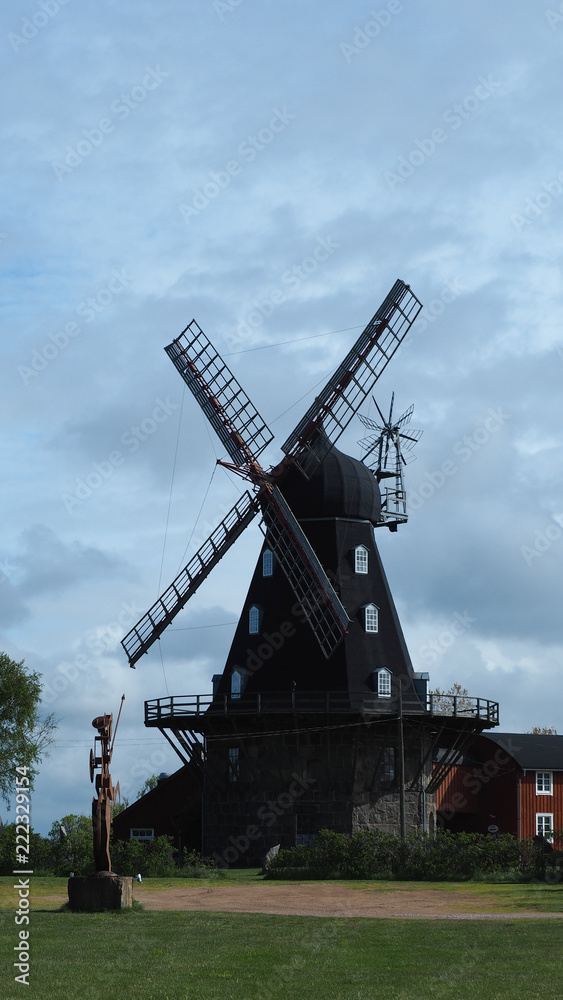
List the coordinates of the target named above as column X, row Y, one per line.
column 100, row 891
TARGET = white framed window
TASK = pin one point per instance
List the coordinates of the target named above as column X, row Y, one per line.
column 371, row 618
column 267, row 562
column 254, row 620
column 237, row 683
column 361, row 559
column 388, row 764
column 141, row 833
column 544, row 825
column 544, row 782
column 383, row 682
column 234, row 763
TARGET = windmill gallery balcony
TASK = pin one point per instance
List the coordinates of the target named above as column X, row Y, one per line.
column 183, row 710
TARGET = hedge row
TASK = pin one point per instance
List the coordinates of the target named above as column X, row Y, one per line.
column 447, row 856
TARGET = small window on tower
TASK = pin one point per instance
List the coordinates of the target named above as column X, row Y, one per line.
column 371, row 618
column 383, row 682
column 267, row 562
column 361, row 555
column 236, row 684
column 388, row 764
column 254, row 620
column 234, row 763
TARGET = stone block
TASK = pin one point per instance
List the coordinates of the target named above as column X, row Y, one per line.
column 100, row 891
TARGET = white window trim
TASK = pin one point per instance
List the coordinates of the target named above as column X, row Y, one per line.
column 267, row 562
column 141, row 833
column 542, row 791
column 254, row 617
column 237, row 685
column 381, row 673
column 368, row 625
column 541, row 833
column 361, row 560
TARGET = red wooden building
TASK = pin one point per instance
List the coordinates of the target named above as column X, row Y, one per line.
column 506, row 783
column 172, row 807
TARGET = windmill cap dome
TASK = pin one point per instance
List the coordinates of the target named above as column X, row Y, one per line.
column 339, row 486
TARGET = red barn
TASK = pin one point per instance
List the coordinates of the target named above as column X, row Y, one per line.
column 507, row 783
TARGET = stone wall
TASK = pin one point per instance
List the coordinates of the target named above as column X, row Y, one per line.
column 287, row 785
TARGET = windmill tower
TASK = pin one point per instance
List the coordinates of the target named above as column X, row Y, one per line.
column 318, row 718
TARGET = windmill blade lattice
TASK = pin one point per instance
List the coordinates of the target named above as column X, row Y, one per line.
column 351, row 384
column 147, row 630
column 304, row 573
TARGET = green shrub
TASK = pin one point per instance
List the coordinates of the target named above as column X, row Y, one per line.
column 447, row 856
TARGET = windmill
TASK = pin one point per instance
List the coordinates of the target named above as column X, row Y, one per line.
column 310, row 707
column 245, row 435
column 385, row 455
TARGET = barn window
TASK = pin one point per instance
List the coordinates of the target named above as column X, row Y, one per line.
column 141, row 833
column 544, row 825
column 234, row 763
column 383, row 682
column 371, row 618
column 267, row 562
column 254, row 620
column 544, row 782
column 361, row 559
column 388, row 764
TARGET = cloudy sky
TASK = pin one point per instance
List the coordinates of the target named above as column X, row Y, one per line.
column 171, row 160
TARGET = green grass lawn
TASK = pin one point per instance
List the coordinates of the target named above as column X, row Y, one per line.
column 150, row 955
column 221, row 956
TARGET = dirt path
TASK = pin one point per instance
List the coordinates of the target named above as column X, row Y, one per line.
column 328, row 901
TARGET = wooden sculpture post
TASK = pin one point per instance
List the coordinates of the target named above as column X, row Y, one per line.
column 102, row 889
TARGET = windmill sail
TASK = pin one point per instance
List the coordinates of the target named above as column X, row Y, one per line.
column 353, row 381
column 305, row 574
column 224, row 402
column 157, row 618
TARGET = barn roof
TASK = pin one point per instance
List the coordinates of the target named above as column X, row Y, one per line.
column 530, row 751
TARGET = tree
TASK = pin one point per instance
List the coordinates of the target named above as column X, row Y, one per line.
column 149, row 784
column 542, row 731
column 24, row 734
column 72, row 842
column 443, row 701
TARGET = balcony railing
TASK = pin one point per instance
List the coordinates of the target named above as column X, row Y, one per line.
column 169, row 712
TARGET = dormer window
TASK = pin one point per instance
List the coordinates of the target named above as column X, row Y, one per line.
column 267, row 562
column 361, row 556
column 371, row 618
column 382, row 679
column 238, row 679
column 254, row 620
